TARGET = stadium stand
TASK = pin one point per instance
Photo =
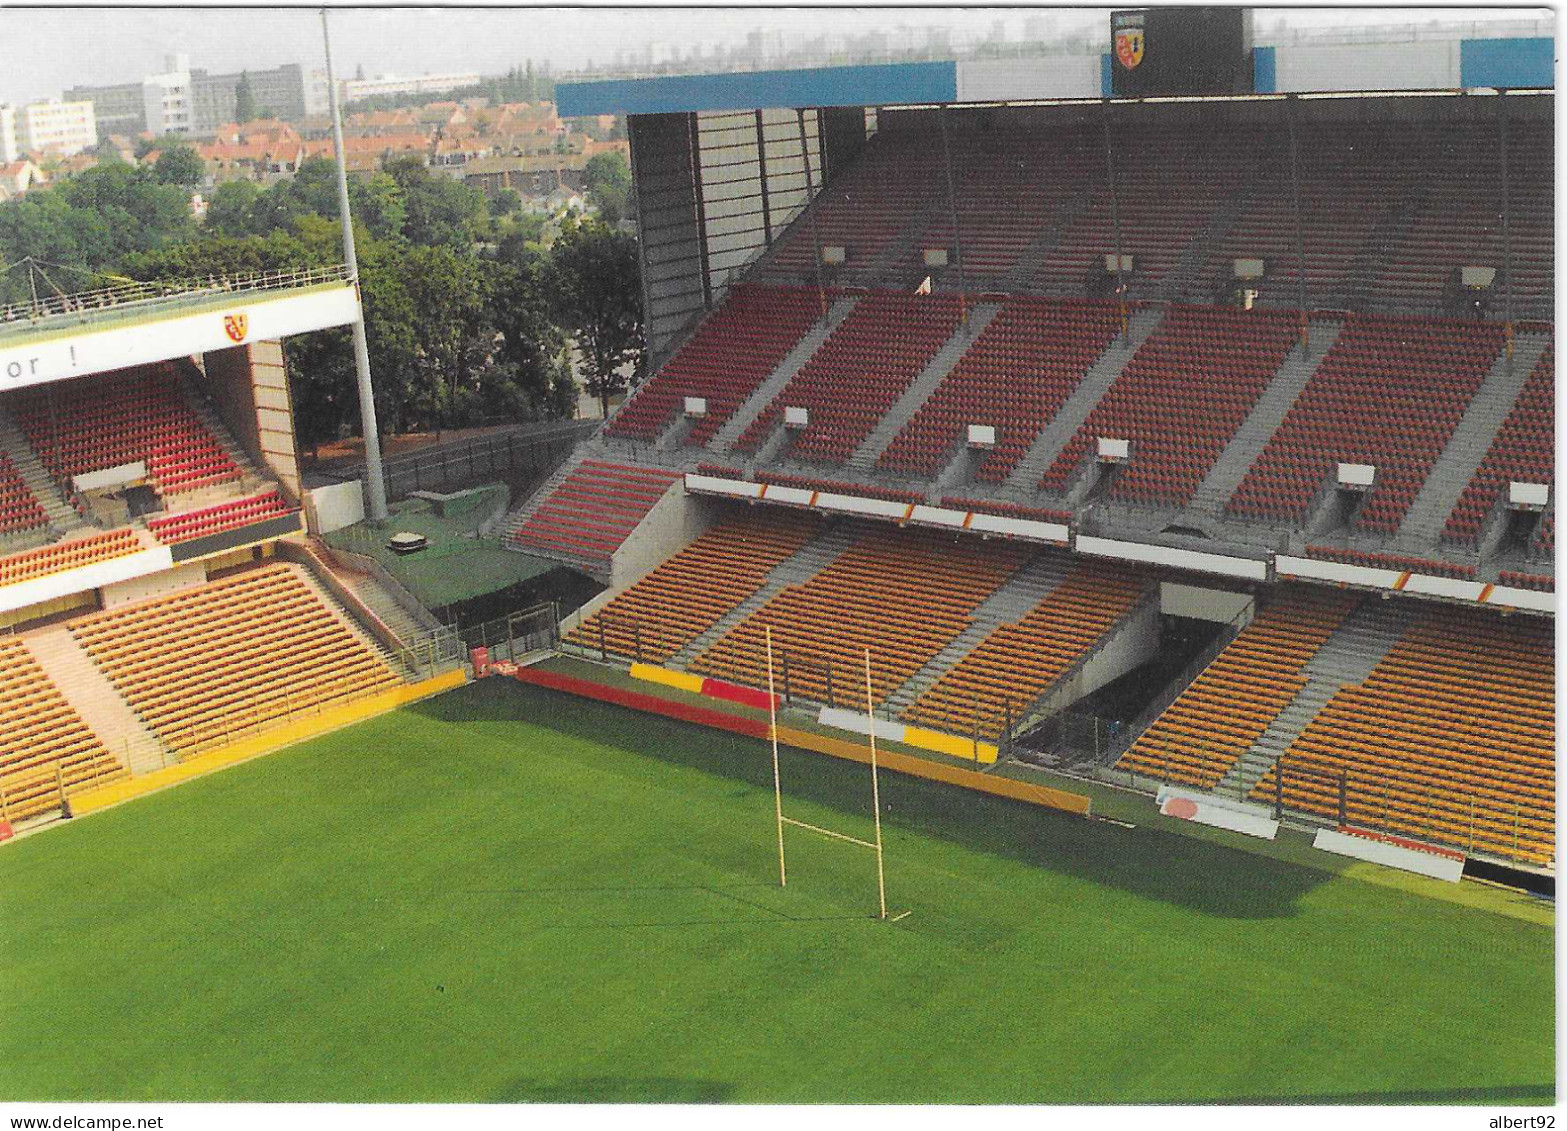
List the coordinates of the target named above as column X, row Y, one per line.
column 19, row 510
column 691, row 592
column 39, row 731
column 1232, row 701
column 67, row 555
column 109, row 419
column 218, row 519
column 260, row 646
column 1524, row 449
column 903, row 594
column 1017, row 663
column 1180, row 399
column 835, row 486
column 1015, row 376
column 590, row 514
column 1006, row 510
column 1389, row 393
column 723, row 361
column 1450, row 739
column 1378, row 559
column 857, row 374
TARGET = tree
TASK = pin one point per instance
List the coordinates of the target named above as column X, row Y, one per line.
column 179, row 165
column 506, row 202
column 607, row 179
column 229, row 212
column 596, row 294
column 244, row 100
column 438, row 210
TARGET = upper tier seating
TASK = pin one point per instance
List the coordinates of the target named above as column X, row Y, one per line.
column 1015, row 376
column 859, row 373
column 67, row 555
column 840, row 487
column 1389, row 393
column 1459, row 221
column 1168, row 182
column 1007, row 188
column 1232, row 702
column 693, row 590
column 108, row 419
column 895, row 181
column 227, row 658
column 1006, row 510
column 232, row 515
column 1542, row 547
column 591, row 513
column 1351, row 176
column 1382, row 559
column 1450, row 739
column 19, row 510
column 1524, row 449
column 40, row 730
column 1019, row 662
column 724, row 361
column 903, row 594
column 1180, row 399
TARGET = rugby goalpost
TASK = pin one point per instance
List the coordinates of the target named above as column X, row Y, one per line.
column 782, row 820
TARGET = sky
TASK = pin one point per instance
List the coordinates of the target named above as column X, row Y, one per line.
column 47, row 49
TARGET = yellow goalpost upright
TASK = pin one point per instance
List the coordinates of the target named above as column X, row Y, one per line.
column 876, row 845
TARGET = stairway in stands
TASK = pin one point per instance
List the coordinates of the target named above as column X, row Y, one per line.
column 1007, row 605
column 725, row 438
column 1450, row 474
column 1347, row 657
column 815, row 556
column 63, row 519
column 1021, row 484
column 194, row 386
column 101, row 707
column 1263, row 420
column 402, row 665
column 347, row 569
column 920, row 389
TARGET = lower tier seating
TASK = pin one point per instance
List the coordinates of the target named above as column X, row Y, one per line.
column 903, row 594
column 218, row 519
column 231, row 657
column 67, row 555
column 689, row 593
column 591, row 513
column 1019, row 662
column 1450, row 739
column 1226, row 709
column 40, row 731
column 19, row 510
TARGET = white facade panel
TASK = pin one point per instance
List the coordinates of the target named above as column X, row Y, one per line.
column 1428, row 65
column 1013, row 80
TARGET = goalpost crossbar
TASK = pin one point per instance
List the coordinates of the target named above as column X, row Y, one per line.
column 828, row 832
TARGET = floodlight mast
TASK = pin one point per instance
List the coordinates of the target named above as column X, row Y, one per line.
column 375, row 484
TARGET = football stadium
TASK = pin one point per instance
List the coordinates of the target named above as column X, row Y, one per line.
column 1065, row 614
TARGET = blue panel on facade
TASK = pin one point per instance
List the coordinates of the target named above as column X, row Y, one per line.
column 761, row 90
column 1263, row 70
column 1106, row 79
column 1507, row 62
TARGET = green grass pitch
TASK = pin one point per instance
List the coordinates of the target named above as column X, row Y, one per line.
column 505, row 894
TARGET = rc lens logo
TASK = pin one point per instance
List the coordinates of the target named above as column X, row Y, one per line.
column 235, row 325
column 1127, row 28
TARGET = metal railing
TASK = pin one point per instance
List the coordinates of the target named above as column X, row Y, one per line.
column 124, row 296
column 537, row 449
column 515, row 635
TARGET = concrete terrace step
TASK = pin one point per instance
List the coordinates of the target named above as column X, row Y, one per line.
column 61, row 515
column 726, row 436
column 1023, row 483
column 87, row 688
column 1427, row 516
column 922, row 387
column 360, row 633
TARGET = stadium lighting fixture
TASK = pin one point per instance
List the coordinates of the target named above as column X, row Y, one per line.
column 375, row 485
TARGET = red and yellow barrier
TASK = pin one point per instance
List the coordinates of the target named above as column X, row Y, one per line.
column 712, row 688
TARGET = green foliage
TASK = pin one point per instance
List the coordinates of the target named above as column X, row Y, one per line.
column 506, row 202
column 438, row 209
column 593, row 279
column 607, row 179
column 229, row 211
column 179, row 165
column 244, row 100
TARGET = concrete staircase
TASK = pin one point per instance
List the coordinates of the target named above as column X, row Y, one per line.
column 101, row 707
column 396, row 663
column 1345, row 658
column 724, row 439
column 921, row 388
column 510, row 523
column 1007, row 605
column 374, row 596
column 196, row 399
column 804, row 564
column 62, row 516
column 1021, row 484
column 1044, row 242
column 1422, row 526
column 1180, row 279
column 1263, row 421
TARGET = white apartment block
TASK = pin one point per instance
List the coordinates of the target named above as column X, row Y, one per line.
column 167, row 98
column 56, row 128
column 356, row 89
column 8, row 147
